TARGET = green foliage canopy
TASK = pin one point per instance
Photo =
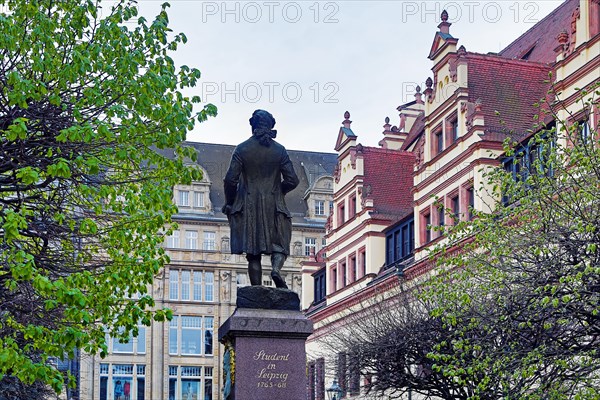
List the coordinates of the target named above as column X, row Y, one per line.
column 88, row 105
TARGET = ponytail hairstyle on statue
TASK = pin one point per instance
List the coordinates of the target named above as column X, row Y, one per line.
column 262, row 123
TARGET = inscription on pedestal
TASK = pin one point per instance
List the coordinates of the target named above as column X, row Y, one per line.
column 273, row 369
column 271, row 375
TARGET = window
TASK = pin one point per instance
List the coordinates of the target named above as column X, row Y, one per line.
column 353, row 374
column 241, row 279
column 319, row 290
column 267, row 281
column 427, row 227
column 341, row 370
column 333, row 279
column 352, row 210
column 471, row 200
column 341, row 213
column 353, row 268
column 185, row 285
column 316, row 379
column 188, row 285
column 191, row 240
column 439, row 142
column 362, row 261
column 199, row 199
column 133, row 345
column 584, row 134
column 441, row 217
column 344, row 277
column 173, row 240
column 400, row 242
column 188, row 336
column 209, row 278
column 208, row 335
column 173, row 285
column 319, row 207
column 184, row 198
column 197, row 286
column 190, row 382
column 533, row 158
column 454, row 129
column 310, row 246
column 122, row 381
column 323, row 248
column 209, row 241
column 455, row 208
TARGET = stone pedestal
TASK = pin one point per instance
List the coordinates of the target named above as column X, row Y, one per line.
column 267, row 347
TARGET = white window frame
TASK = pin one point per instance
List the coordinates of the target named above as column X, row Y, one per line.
column 202, row 324
column 114, row 371
column 138, row 343
column 178, row 373
column 173, row 240
column 199, row 199
column 191, row 240
column 183, row 198
column 320, row 207
column 210, row 241
column 191, row 285
column 310, row 243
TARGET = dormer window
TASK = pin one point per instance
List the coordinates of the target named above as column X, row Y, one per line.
column 320, row 208
column 199, row 199
column 184, row 198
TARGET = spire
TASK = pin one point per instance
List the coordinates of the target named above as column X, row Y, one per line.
column 444, row 25
column 418, row 95
column 346, row 122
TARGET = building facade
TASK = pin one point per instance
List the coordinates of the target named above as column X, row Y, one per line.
column 453, row 132
column 182, row 359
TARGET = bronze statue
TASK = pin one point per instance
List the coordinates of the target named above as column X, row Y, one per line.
column 259, row 176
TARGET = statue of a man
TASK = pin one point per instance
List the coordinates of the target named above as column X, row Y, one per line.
column 259, row 176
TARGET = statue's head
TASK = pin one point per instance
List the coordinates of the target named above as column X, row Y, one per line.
column 262, row 120
column 262, row 123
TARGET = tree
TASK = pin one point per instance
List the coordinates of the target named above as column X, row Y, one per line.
column 523, row 292
column 389, row 338
column 88, row 104
column 513, row 310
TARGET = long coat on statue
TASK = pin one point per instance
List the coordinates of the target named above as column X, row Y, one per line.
column 258, row 178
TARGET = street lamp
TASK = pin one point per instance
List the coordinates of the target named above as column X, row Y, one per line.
column 335, row 391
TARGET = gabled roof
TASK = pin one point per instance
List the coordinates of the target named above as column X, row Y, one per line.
column 344, row 135
column 507, row 90
column 539, row 42
column 440, row 41
column 388, row 180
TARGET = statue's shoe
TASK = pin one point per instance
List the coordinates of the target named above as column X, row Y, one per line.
column 279, row 282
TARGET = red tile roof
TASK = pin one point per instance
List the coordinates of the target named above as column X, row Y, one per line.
column 509, row 87
column 540, row 41
column 388, row 180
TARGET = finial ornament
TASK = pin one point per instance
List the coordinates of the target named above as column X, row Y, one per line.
column 429, row 83
column 347, row 115
column 444, row 16
column 387, row 120
column 418, row 89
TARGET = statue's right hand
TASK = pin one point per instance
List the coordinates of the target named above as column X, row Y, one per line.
column 226, row 209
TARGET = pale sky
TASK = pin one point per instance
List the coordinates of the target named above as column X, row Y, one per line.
column 307, row 62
